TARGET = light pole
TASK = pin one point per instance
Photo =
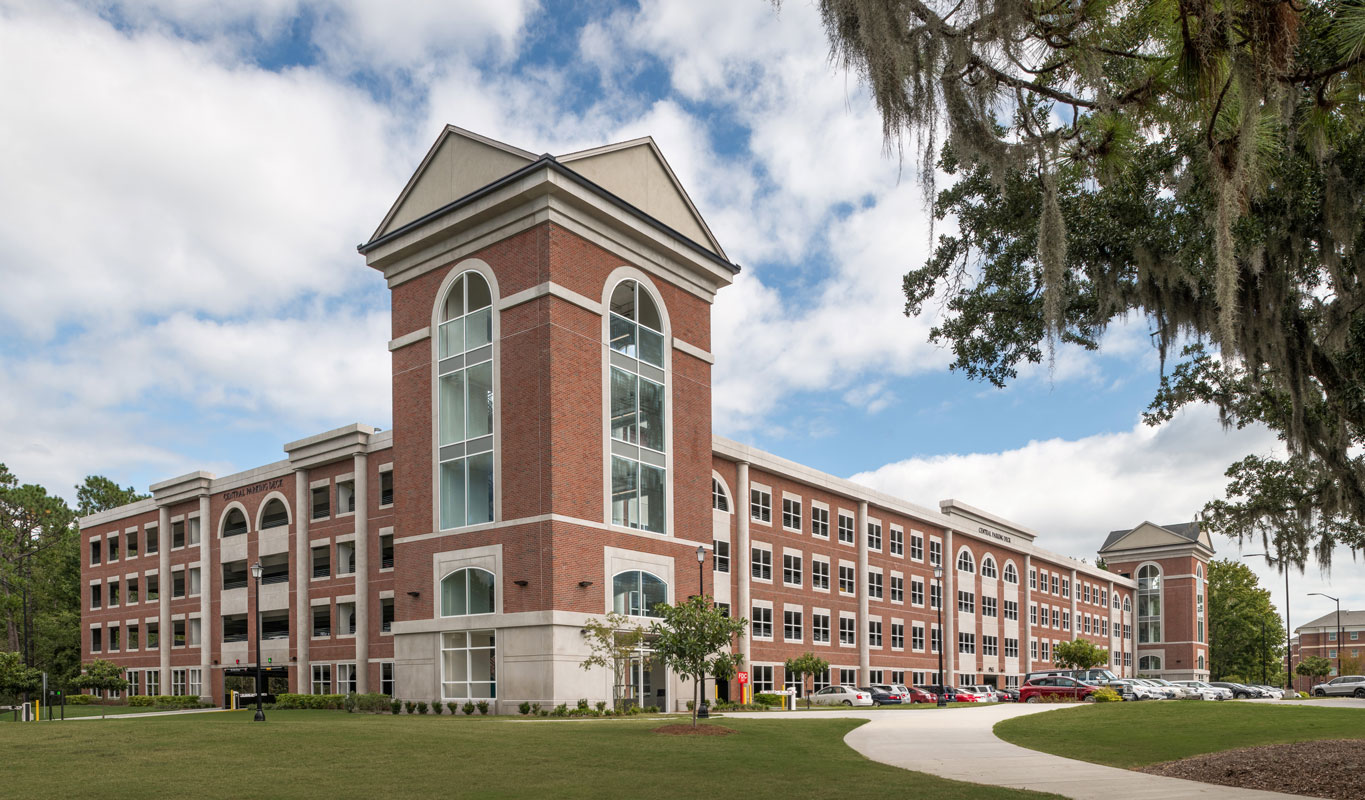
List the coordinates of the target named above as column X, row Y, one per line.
column 701, row 592
column 256, row 573
column 1288, row 632
column 942, row 685
column 1337, row 600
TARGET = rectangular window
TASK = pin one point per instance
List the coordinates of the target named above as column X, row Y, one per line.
column 916, row 592
column 96, row 596
column 113, row 639
column 386, row 615
column 322, row 679
column 178, row 583
column 935, row 553
column 1033, row 579
column 322, row 562
column 966, row 642
column 322, row 503
column 897, row 636
column 178, row 682
column 762, row 623
column 720, row 559
column 874, row 536
column 819, row 628
column 791, row 626
column 791, row 569
column 847, row 585
column 322, row 621
column 1066, row 587
column 821, row 680
column 819, row 522
column 935, row 594
column 178, row 633
column 848, row 677
column 1085, row 592
column 1033, row 615
column 1033, row 649
column 935, row 639
column 848, row 631
column 916, row 546
column 845, row 529
column 113, row 548
column 195, row 582
column 94, row 552
column 1056, row 618
column 1011, row 609
column 760, row 505
column 1011, row 648
column 386, row 499
column 1054, row 584
column 195, row 632
column 177, row 535
column 763, row 678
column 132, row 639
column 386, row 668
column 966, row 601
column 874, row 633
column 1047, row 654
column 346, row 497
column 761, row 563
column 990, row 645
column 897, row 589
column 897, row 542
column 346, row 681
column 988, row 606
column 1104, row 597
column 193, row 531
column 876, row 675
column 874, row 585
column 819, row 575
column 386, row 551
column 791, row 514
column 153, row 539
column 196, row 682
column 153, row 635
column 917, row 637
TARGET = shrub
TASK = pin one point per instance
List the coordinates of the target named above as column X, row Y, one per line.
column 524, row 708
column 767, row 699
column 137, row 700
column 468, row 708
column 396, row 707
column 561, row 710
column 543, row 712
column 535, row 708
column 372, row 703
column 601, row 706
column 483, row 707
column 1107, row 695
column 87, row 699
column 349, row 703
column 421, row 706
column 436, row 707
column 454, row 707
column 331, row 702
column 411, row 706
column 583, row 704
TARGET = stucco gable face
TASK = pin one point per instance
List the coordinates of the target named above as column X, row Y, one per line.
column 1146, row 535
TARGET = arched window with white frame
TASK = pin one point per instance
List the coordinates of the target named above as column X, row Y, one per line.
column 638, row 409
column 637, row 593
column 964, row 561
column 1150, row 663
column 468, row 591
column 988, row 567
column 1011, row 574
column 720, row 501
column 465, row 402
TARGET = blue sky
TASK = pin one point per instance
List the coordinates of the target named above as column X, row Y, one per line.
column 186, row 183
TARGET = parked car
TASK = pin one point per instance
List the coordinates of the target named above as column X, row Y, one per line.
column 1345, row 686
column 985, row 694
column 914, row 694
column 841, row 696
column 1135, row 690
column 1093, row 674
column 883, row 695
column 1038, row 689
column 1206, row 691
column 1274, row 691
column 1008, row 695
column 952, row 694
column 1178, row 692
column 1239, row 691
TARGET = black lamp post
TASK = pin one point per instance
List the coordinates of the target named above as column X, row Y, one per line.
column 1337, row 600
column 701, row 592
column 256, row 573
column 942, row 684
column 1288, row 632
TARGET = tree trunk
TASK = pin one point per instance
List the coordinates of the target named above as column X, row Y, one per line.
column 696, row 702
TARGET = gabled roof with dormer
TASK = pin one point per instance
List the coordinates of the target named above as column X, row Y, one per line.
column 1149, row 534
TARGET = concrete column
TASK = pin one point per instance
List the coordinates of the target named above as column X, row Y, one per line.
column 206, row 582
column 949, row 610
column 362, row 574
column 303, row 573
column 166, row 634
column 739, row 557
column 1025, row 644
column 864, row 646
column 1076, row 627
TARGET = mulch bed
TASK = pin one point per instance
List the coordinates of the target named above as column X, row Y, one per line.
column 700, row 730
column 1333, row 768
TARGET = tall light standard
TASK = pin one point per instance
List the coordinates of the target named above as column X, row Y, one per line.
column 256, row 573
column 1288, row 632
column 942, row 684
column 1338, row 602
column 701, row 592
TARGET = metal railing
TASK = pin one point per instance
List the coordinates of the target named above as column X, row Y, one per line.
column 235, row 583
column 386, row 562
column 323, row 571
column 234, row 637
column 282, row 577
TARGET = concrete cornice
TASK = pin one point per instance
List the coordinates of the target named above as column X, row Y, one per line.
column 112, row 514
column 185, row 487
column 329, row 446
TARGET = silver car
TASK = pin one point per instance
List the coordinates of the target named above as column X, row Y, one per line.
column 1345, row 686
column 1208, row 692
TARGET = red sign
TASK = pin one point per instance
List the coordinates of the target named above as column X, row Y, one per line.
column 743, row 678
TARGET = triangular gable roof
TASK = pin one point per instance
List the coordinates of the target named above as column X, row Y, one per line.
column 1149, row 534
column 458, row 163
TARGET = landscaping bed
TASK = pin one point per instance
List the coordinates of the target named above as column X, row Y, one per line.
column 1333, row 768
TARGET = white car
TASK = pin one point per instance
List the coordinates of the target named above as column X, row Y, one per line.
column 1208, row 692
column 1133, row 689
column 1168, row 692
column 1182, row 692
column 841, row 696
column 985, row 694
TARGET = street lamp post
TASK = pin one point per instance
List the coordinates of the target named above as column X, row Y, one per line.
column 1336, row 600
column 942, row 684
column 256, row 573
column 701, row 592
column 1288, row 632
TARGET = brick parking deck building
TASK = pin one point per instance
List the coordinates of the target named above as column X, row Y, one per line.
column 552, row 459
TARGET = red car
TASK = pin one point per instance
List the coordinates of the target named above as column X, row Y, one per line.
column 916, row 695
column 1039, row 689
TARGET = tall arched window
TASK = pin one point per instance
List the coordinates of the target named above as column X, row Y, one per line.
column 719, row 500
column 274, row 514
column 636, row 593
column 1149, row 604
column 639, row 410
column 1127, row 604
column 1011, row 576
column 1150, row 663
column 1201, row 661
column 465, row 402
column 467, row 591
column 234, row 524
column 987, row 567
column 964, row 561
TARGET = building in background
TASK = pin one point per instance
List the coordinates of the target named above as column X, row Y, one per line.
column 552, row 459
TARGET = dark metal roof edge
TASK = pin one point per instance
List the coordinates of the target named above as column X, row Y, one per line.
column 545, row 161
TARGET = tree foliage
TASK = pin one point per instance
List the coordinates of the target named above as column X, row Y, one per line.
column 1197, row 164
column 612, row 643
column 1246, row 634
column 804, row 667
column 98, row 493
column 692, row 637
column 101, row 675
column 1314, row 667
column 15, row 677
column 1079, row 654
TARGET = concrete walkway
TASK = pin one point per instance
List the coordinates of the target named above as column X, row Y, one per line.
column 959, row 744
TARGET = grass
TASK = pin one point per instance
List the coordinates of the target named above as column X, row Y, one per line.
column 329, row 754
column 93, row 711
column 1137, row 734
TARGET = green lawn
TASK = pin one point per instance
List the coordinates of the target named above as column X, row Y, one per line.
column 91, row 711
column 332, row 754
column 1136, row 734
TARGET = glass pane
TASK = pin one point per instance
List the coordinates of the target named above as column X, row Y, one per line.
column 478, row 328
column 455, row 665
column 649, row 313
column 480, row 488
column 452, row 494
column 480, row 593
column 452, row 338
column 452, row 408
column 480, row 409
column 622, row 335
column 655, row 592
column 651, row 498
column 623, row 299
column 479, row 295
column 481, row 638
column 454, row 308
column 453, row 640
column 623, row 406
column 651, row 414
column 623, row 586
column 651, row 347
column 453, row 595
column 481, row 665
column 482, row 691
column 624, row 498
